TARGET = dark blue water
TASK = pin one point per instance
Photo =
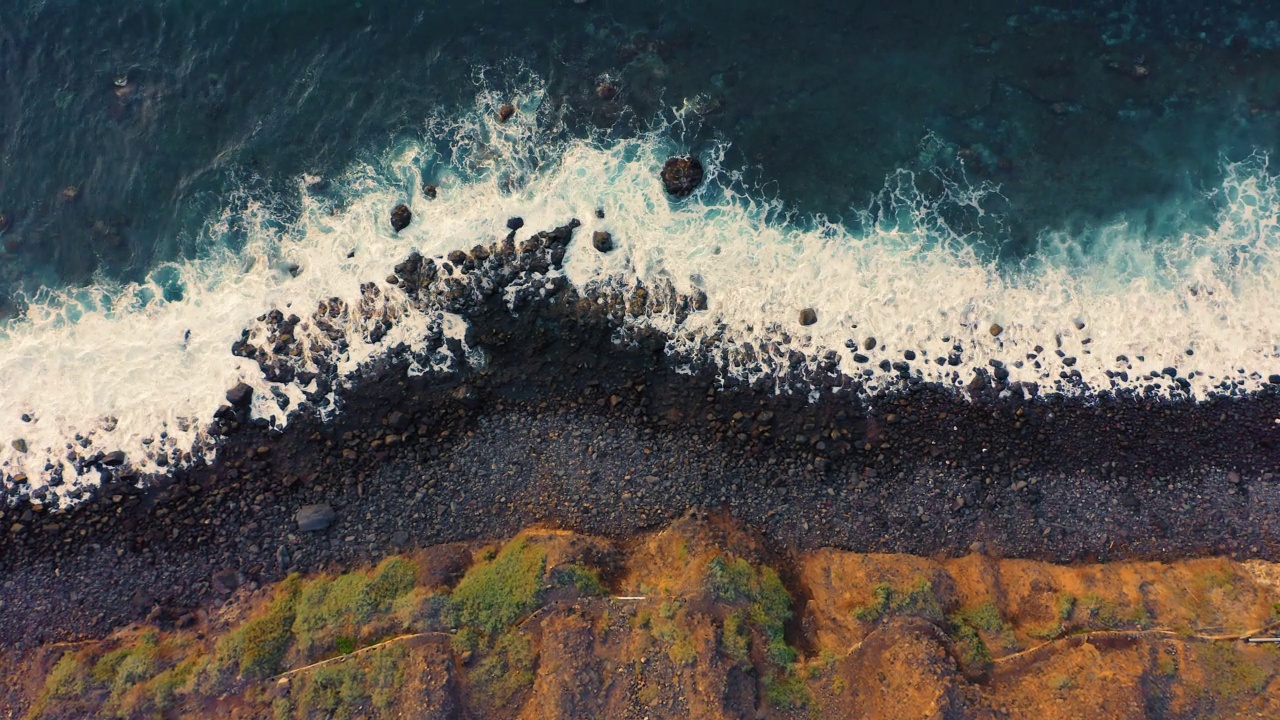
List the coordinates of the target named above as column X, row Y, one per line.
column 125, row 126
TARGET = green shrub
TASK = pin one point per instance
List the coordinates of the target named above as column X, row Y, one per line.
column 786, row 691
column 257, row 648
column 736, row 640
column 386, row 675
column 496, row 594
column 333, row 610
column 505, row 670
column 338, row 690
column 767, row 604
column 872, row 611
column 585, row 580
column 986, row 618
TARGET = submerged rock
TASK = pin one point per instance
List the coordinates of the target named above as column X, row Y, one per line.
column 505, row 111
column 602, row 241
column 430, row 191
column 401, row 216
column 313, row 518
column 681, row 175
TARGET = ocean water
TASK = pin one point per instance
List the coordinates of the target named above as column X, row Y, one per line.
column 1081, row 216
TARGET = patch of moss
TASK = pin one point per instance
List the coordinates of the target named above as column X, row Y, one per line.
column 879, row 604
column 496, row 594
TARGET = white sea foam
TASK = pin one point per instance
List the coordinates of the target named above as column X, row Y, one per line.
column 128, row 370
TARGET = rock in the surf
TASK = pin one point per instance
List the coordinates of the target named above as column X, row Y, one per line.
column 505, row 112
column 808, row 316
column 115, row 458
column 515, row 223
column 240, row 395
column 401, row 216
column 681, row 175
column 602, row 241
column 430, row 191
column 314, row 518
column 996, row 330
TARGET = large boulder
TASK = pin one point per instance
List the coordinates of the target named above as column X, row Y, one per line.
column 401, row 216
column 314, row 518
column 681, row 175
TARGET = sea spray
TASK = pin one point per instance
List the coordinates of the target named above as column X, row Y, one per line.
column 143, row 368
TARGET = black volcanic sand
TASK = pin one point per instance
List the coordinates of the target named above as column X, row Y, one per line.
column 563, row 427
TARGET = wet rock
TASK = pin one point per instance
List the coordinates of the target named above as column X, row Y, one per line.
column 869, row 344
column 20, row 445
column 401, row 216
column 115, row 458
column 240, row 395
column 602, row 241
column 430, row 191
column 515, row 223
column 313, row 518
column 995, row 330
column 808, row 316
column 681, row 175
column 505, row 111
column 600, row 213
column 606, row 88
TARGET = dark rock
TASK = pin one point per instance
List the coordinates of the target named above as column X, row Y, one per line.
column 401, row 216
column 909, row 354
column 5, row 222
column 869, row 344
column 240, row 395
column 313, row 518
column 996, row 330
column 808, row 316
column 602, row 241
column 115, row 458
column 505, row 111
column 1274, row 379
column 226, row 581
column 20, row 445
column 430, row 191
column 681, row 175
column 515, row 223
column 600, row 213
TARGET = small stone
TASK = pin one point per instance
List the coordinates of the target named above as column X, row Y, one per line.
column 430, row 191
column 240, row 395
column 808, row 316
column 977, row 547
column 602, row 241
column 505, row 112
column 681, row 175
column 313, row 518
column 1233, row 477
column 20, row 445
column 996, row 330
column 600, row 213
column 400, row 539
column 515, row 223
column 869, row 344
column 115, row 458
column 606, row 90
column 401, row 216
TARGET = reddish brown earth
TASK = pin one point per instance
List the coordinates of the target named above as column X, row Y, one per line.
column 681, row 628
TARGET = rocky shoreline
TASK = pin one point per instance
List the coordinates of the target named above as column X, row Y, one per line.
column 561, row 426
